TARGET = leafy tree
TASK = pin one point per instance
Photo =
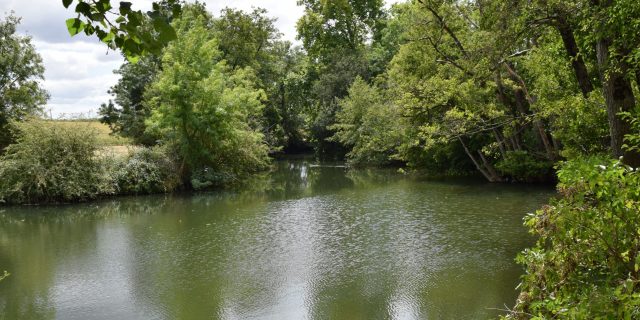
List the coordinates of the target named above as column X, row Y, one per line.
column 128, row 117
column 204, row 108
column 342, row 24
column 284, row 76
column 20, row 69
column 250, row 39
column 245, row 38
column 370, row 126
column 334, row 34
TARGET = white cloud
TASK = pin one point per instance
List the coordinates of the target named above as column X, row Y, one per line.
column 79, row 71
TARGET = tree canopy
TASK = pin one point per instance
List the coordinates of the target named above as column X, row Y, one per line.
column 21, row 70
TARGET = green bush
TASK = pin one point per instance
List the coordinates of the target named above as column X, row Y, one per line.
column 50, row 163
column 586, row 263
column 522, row 166
column 146, row 171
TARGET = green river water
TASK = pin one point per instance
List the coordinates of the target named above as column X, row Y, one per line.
column 305, row 242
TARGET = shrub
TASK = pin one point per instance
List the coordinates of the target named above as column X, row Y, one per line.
column 586, row 263
column 50, row 163
column 522, row 166
column 146, row 171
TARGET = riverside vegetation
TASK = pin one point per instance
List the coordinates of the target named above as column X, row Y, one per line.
column 509, row 90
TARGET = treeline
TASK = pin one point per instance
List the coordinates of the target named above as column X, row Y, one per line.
column 498, row 88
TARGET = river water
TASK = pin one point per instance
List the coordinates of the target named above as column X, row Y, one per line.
column 304, row 242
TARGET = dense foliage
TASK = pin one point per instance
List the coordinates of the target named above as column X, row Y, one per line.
column 128, row 115
column 21, row 68
column 586, row 262
column 205, row 108
column 50, row 163
column 146, row 171
column 363, row 125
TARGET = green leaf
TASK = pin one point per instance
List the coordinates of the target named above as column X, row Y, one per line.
column 125, row 8
column 75, row 26
column 132, row 59
column 66, row 3
column 84, row 9
column 108, row 38
column 166, row 32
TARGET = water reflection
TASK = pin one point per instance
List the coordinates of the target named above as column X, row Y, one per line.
column 304, row 242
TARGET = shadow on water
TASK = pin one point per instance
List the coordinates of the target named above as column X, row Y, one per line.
column 307, row 241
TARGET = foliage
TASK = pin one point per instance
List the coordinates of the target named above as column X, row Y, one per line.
column 203, row 108
column 284, row 80
column 127, row 119
column 369, row 125
column 146, row 171
column 335, row 35
column 586, row 262
column 4, row 275
column 245, row 38
column 133, row 32
column 21, row 68
column 50, row 163
column 632, row 140
column 333, row 25
column 522, row 167
column 251, row 39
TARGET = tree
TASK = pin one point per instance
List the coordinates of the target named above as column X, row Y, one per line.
column 283, row 76
column 128, row 117
column 335, row 34
column 205, row 109
column 342, row 24
column 21, row 68
column 245, row 38
column 369, row 125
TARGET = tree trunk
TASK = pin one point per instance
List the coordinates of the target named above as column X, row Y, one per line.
column 501, row 143
column 579, row 67
column 491, row 177
column 490, row 169
column 524, row 101
column 618, row 95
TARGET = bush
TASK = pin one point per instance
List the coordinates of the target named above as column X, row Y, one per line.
column 586, row 263
column 522, row 166
column 50, row 163
column 146, row 171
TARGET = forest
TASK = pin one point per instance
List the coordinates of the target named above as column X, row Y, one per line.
column 540, row 91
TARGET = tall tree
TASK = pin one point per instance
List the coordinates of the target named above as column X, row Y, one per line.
column 203, row 107
column 127, row 117
column 335, row 35
column 21, row 68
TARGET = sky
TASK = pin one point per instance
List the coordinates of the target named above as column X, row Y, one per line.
column 79, row 70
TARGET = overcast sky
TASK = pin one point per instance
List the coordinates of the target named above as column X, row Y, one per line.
column 79, row 70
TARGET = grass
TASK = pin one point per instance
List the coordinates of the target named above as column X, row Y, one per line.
column 105, row 138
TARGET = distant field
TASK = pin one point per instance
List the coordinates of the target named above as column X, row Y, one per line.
column 105, row 139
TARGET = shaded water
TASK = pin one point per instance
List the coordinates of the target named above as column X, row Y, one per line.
column 307, row 242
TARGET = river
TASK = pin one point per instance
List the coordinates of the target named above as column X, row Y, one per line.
column 307, row 241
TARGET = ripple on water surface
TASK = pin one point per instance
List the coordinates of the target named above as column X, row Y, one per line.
column 307, row 242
